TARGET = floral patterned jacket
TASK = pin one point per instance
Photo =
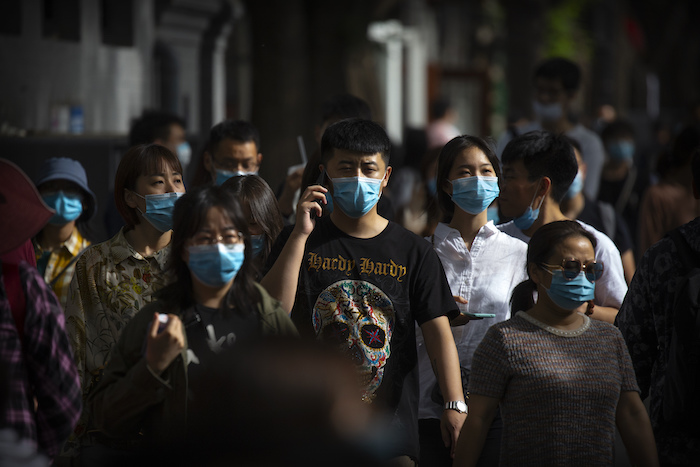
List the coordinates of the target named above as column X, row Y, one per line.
column 646, row 322
column 112, row 282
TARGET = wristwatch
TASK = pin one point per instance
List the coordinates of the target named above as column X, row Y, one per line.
column 459, row 406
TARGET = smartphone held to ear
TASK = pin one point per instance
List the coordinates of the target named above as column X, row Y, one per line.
column 319, row 181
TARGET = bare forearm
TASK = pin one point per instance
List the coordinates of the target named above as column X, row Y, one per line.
column 604, row 313
column 635, row 429
column 282, row 279
column 471, row 441
column 443, row 357
column 628, row 265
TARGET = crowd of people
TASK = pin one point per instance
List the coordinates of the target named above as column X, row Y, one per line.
column 470, row 307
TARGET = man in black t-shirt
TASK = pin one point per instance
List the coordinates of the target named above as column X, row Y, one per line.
column 355, row 279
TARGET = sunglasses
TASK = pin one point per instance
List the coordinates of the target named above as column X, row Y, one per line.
column 571, row 268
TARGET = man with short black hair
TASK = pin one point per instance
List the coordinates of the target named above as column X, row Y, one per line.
column 556, row 82
column 359, row 281
column 233, row 149
column 164, row 128
column 538, row 168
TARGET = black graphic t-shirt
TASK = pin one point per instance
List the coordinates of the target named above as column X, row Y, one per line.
column 209, row 331
column 366, row 295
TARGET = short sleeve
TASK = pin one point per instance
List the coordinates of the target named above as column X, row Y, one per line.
column 629, row 379
column 431, row 296
column 490, row 366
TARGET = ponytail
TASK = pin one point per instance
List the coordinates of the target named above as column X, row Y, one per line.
column 522, row 297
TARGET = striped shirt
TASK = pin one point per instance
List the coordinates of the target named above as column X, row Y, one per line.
column 60, row 264
column 558, row 394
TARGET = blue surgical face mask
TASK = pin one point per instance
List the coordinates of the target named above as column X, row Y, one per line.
column 184, row 153
column 258, row 243
column 159, row 209
column 223, row 175
column 575, row 187
column 621, row 150
column 329, row 203
column 570, row 294
column 547, row 112
column 474, row 194
column 356, row 196
column 68, row 206
column 432, row 186
column 215, row 265
column 526, row 219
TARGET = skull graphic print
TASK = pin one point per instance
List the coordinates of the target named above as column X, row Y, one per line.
column 359, row 318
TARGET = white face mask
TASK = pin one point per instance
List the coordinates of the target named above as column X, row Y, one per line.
column 547, row 112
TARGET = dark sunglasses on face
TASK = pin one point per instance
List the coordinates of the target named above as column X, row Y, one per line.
column 571, row 268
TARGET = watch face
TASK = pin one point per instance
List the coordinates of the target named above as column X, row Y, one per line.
column 459, row 406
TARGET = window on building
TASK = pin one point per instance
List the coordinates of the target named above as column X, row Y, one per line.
column 118, row 22
column 11, row 17
column 61, row 20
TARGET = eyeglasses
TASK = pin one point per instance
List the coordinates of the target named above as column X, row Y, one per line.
column 229, row 238
column 571, row 268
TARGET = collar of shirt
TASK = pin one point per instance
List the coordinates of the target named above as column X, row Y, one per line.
column 121, row 249
column 446, row 235
column 74, row 245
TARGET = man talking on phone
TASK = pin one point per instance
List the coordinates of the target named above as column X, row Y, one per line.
column 359, row 281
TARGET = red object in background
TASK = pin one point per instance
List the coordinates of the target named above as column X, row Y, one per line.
column 634, row 33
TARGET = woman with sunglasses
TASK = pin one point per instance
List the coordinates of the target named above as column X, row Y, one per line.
column 212, row 304
column 482, row 264
column 562, row 380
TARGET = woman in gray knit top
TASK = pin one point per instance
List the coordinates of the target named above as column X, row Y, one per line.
column 562, row 380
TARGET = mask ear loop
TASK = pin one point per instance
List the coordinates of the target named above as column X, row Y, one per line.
column 535, row 196
column 143, row 213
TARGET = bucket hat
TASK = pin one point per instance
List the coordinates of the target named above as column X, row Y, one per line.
column 22, row 210
column 64, row 168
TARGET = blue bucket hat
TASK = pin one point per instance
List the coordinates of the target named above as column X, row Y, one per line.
column 63, row 168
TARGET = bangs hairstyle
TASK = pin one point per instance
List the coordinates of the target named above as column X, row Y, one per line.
column 261, row 200
column 446, row 160
column 188, row 218
column 355, row 135
column 539, row 251
column 141, row 160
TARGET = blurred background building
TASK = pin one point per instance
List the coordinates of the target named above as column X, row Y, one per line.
column 76, row 72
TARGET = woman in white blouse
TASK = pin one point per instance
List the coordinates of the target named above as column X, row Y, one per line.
column 482, row 265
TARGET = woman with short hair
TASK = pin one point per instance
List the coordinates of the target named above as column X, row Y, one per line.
column 113, row 280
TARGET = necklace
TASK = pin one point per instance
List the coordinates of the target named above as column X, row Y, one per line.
column 556, row 331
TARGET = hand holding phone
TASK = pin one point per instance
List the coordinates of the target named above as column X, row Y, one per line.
column 164, row 341
column 162, row 321
column 477, row 315
column 319, row 181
